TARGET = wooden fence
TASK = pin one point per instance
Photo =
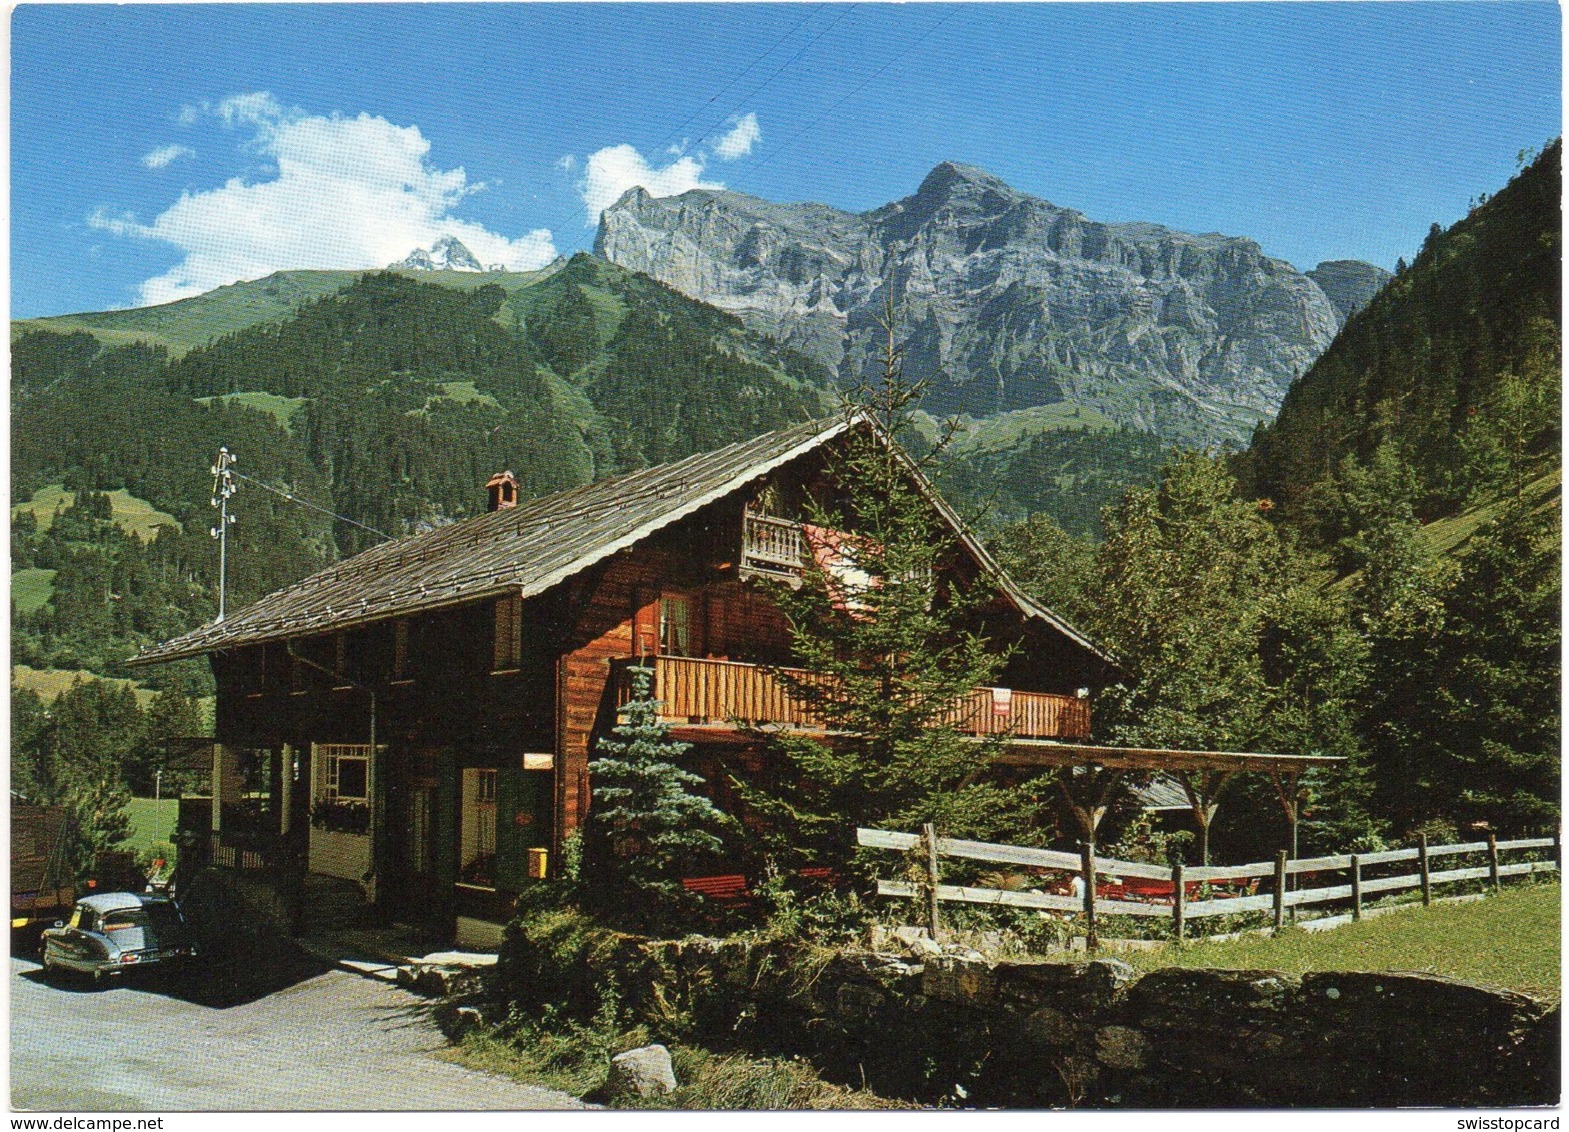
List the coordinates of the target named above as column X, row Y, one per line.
column 1184, row 893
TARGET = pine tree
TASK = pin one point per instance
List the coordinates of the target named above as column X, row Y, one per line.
column 71, row 753
column 1231, row 644
column 646, row 827
column 893, row 642
column 172, row 714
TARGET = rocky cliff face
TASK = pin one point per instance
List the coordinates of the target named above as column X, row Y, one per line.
column 1005, row 301
column 1349, row 283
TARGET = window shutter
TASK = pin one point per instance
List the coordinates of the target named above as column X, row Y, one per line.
column 400, row 649
column 509, row 634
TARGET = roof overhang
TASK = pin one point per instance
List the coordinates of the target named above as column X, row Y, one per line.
column 211, row 638
column 253, row 624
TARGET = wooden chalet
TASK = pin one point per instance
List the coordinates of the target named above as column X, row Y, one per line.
column 418, row 720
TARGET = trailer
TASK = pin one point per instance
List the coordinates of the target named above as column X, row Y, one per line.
column 42, row 888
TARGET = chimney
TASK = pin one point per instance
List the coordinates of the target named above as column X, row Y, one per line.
column 503, row 489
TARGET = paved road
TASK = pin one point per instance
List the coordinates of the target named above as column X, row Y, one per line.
column 328, row 1041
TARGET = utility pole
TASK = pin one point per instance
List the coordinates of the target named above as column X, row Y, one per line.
column 223, row 486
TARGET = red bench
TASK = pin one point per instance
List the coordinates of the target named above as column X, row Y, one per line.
column 733, row 887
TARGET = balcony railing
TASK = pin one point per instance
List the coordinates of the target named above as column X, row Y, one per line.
column 771, row 545
column 723, row 692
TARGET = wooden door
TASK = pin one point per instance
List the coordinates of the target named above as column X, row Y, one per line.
column 418, row 848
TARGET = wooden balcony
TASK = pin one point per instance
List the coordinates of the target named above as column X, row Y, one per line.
column 721, row 695
column 771, row 546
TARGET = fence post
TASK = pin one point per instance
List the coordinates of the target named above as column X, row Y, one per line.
column 1280, row 890
column 1087, row 871
column 1177, row 900
column 933, row 919
column 1492, row 860
column 1356, row 887
column 1558, row 849
column 1427, row 874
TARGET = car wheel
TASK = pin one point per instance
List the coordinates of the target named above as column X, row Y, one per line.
column 51, row 972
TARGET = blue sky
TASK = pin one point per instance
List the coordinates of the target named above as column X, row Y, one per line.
column 159, row 151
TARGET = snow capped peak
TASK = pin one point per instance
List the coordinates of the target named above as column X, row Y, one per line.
column 446, row 254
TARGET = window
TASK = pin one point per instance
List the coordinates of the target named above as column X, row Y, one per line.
column 509, row 634
column 348, row 777
column 477, row 829
column 835, row 553
column 486, row 799
column 675, row 626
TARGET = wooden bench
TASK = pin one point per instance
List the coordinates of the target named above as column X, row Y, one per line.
column 733, row 887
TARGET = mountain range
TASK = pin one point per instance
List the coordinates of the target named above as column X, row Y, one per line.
column 1076, row 352
column 1005, row 301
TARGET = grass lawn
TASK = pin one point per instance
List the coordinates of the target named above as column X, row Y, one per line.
column 1448, row 536
column 573, row 1058
column 1509, row 940
column 50, row 682
column 151, row 821
column 1007, row 429
column 32, row 589
column 281, row 409
column 133, row 515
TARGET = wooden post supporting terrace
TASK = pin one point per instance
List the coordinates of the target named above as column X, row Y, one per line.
column 1203, row 789
column 1203, row 775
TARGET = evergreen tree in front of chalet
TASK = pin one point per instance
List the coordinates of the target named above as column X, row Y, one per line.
column 646, row 827
column 892, row 641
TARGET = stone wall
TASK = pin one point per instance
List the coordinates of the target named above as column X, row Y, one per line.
column 1089, row 1033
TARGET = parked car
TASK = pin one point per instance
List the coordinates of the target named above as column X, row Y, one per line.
column 114, row 932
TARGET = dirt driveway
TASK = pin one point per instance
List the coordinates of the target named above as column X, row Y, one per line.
column 329, row 1040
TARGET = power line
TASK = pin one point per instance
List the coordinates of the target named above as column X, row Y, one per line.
column 782, row 67
column 291, row 497
column 744, row 72
column 864, row 84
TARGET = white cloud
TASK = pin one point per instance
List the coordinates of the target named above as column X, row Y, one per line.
column 739, row 141
column 348, row 192
column 567, row 162
column 617, row 168
column 166, row 154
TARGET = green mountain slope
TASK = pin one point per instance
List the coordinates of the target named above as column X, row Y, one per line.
column 197, row 321
column 388, row 402
column 1461, row 352
column 1420, row 457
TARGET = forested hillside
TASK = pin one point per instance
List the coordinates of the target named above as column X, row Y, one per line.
column 1454, row 364
column 1378, row 578
column 389, row 403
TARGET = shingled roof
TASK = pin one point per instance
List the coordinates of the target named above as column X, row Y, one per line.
column 527, row 549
